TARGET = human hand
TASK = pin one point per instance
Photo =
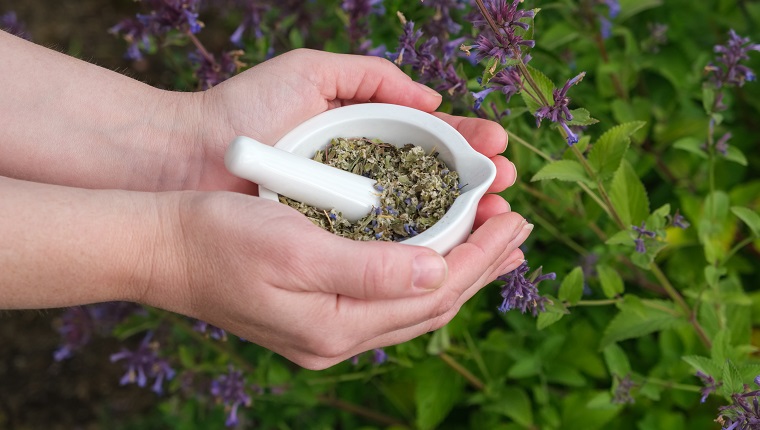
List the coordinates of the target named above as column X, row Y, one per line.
column 272, row 98
column 262, row 271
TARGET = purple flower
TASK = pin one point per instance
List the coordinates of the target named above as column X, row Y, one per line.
column 166, row 15
column 613, row 6
column 622, row 394
column 679, row 221
column 379, row 356
column 79, row 323
column 432, row 59
column 727, row 70
column 358, row 12
column 744, row 413
column 253, row 14
column 143, row 364
column 10, row 23
column 507, row 80
column 722, row 144
column 521, row 293
column 230, row 389
column 76, row 330
column 442, row 24
column 642, row 233
column 211, row 72
column 137, row 36
column 559, row 112
column 709, row 385
column 209, row 330
column 507, row 41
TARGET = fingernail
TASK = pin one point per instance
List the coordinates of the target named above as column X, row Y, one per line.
column 428, row 89
column 528, row 227
column 515, row 168
column 428, row 271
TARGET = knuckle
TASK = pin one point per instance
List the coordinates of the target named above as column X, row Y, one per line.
column 378, row 272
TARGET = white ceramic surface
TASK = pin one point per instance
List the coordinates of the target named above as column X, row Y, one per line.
column 399, row 125
column 302, row 179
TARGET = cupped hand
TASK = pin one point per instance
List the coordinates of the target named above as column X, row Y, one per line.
column 262, row 271
column 272, row 98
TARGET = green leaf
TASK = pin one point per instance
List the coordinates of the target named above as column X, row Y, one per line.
column 581, row 117
column 732, row 379
column 736, row 155
column 437, row 390
column 708, row 366
column 491, row 68
column 571, row 289
column 692, row 145
column 517, row 406
column 638, row 319
column 612, row 283
column 525, row 367
column 628, row 195
column 563, row 170
column 622, row 237
column 545, row 88
column 629, row 8
column 617, row 360
column 554, row 312
column 609, row 149
column 750, row 217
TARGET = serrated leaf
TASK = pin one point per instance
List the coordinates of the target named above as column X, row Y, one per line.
column 609, row 149
column 708, row 366
column 545, row 88
column 636, row 320
column 437, row 390
column 750, row 217
column 617, row 360
column 571, row 289
column 612, row 283
column 628, row 195
column 581, row 117
column 563, row 170
column 732, row 379
column 692, row 145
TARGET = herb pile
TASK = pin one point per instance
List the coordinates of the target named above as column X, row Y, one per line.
column 416, row 189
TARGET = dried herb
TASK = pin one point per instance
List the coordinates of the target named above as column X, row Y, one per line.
column 416, row 189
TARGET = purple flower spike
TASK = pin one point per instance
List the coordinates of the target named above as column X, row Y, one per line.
column 230, row 389
column 76, row 330
column 209, row 330
column 379, row 356
column 10, row 23
column 744, row 413
column 520, row 293
column 709, row 385
column 559, row 112
column 679, row 221
column 727, row 70
column 143, row 364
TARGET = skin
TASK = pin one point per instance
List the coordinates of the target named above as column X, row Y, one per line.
column 115, row 190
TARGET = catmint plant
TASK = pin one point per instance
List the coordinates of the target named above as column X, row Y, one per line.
column 9, row 22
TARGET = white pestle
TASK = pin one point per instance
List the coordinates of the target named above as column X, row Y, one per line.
column 302, row 179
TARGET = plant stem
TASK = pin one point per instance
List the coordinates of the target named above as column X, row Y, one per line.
column 548, row 226
column 202, row 49
column 676, row 297
column 362, row 411
column 737, row 247
column 476, row 354
column 597, row 302
column 472, row 379
column 525, row 143
column 673, row 385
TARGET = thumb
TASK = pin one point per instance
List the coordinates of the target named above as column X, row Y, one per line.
column 377, row 270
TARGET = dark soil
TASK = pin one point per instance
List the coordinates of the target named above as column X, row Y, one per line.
column 82, row 392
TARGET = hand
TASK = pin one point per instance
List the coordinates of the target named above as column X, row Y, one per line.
column 272, row 98
column 262, row 271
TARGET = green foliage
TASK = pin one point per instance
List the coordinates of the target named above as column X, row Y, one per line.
column 687, row 302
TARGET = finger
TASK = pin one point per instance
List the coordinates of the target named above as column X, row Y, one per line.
column 506, row 174
column 487, row 137
column 384, row 338
column 373, row 270
column 357, row 78
column 490, row 206
column 469, row 263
